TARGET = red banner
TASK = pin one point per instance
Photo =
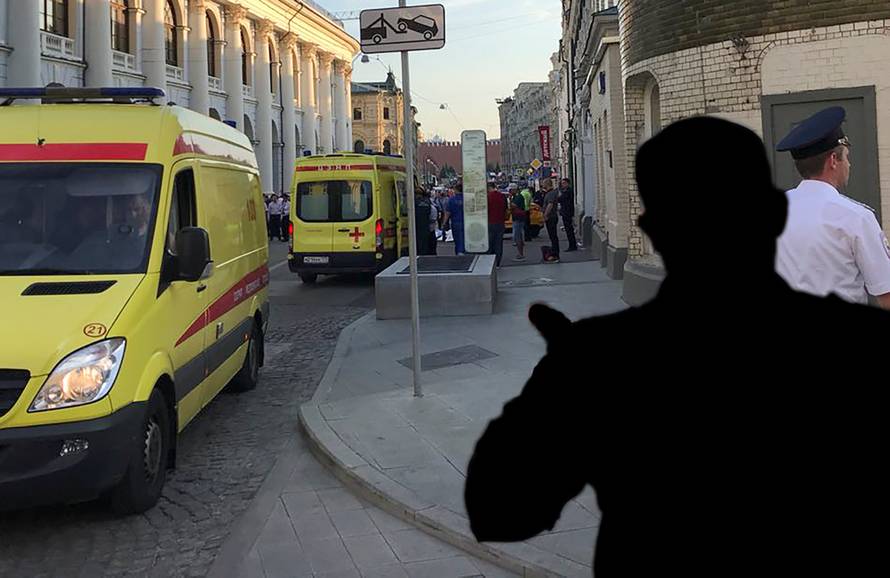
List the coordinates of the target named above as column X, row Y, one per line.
column 544, row 133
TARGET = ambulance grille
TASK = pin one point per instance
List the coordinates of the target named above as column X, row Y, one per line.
column 69, row 288
column 12, row 383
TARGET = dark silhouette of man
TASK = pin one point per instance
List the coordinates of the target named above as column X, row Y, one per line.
column 731, row 426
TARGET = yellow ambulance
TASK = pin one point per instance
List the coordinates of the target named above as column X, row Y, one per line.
column 133, row 288
column 349, row 214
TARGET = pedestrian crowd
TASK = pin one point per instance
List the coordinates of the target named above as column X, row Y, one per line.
column 278, row 216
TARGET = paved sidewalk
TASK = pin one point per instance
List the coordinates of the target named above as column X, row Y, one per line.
column 304, row 523
column 409, row 455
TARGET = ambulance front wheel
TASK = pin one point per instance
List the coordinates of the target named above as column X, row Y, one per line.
column 147, row 471
column 249, row 376
column 309, row 278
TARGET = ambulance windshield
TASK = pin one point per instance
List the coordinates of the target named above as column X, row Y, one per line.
column 76, row 219
column 334, row 201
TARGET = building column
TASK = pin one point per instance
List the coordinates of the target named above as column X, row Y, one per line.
column 308, row 53
column 3, row 34
column 288, row 116
column 23, row 35
column 154, row 64
column 347, row 82
column 232, row 65
column 340, row 111
column 97, row 51
column 325, row 104
column 136, row 15
column 263, row 94
column 197, row 58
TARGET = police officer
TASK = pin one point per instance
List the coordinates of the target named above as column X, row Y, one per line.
column 831, row 243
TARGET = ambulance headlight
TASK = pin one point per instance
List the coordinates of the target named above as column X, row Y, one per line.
column 85, row 376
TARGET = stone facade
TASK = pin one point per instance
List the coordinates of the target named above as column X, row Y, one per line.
column 530, row 106
column 246, row 62
column 378, row 116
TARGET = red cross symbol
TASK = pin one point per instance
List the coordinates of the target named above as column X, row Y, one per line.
column 356, row 235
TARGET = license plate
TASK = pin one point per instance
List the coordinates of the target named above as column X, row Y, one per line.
column 316, row 260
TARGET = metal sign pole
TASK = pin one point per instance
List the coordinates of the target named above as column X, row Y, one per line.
column 408, row 143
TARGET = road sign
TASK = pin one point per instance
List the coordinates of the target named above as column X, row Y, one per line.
column 403, row 29
column 536, row 164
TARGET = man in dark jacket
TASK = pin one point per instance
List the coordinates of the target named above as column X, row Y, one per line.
column 733, row 427
column 422, row 210
column 567, row 210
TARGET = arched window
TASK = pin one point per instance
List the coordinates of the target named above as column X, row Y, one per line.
column 215, row 114
column 387, row 147
column 359, row 147
column 273, row 70
column 54, row 16
column 652, row 98
column 120, row 25
column 245, row 59
column 211, row 46
column 171, row 46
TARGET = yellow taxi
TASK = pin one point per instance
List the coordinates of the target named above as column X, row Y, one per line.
column 349, row 214
column 133, row 285
column 536, row 220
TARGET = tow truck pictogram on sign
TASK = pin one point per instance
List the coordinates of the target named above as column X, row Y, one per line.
column 403, row 29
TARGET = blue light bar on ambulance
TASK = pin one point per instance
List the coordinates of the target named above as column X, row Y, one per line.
column 65, row 92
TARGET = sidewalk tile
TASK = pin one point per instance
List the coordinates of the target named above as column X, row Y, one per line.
column 342, row 574
column 370, row 551
column 277, row 529
column 284, row 561
column 490, row 570
column 315, row 525
column 328, row 555
column 339, row 500
column 392, row 571
column 353, row 523
column 457, row 567
column 413, row 545
column 307, row 478
column 301, row 503
column 387, row 523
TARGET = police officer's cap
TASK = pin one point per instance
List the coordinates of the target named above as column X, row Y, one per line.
column 820, row 133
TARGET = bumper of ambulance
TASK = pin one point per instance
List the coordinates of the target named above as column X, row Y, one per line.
column 340, row 263
column 70, row 462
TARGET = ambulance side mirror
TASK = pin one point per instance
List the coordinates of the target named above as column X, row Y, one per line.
column 192, row 254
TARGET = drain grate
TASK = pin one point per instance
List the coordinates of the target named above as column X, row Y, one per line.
column 448, row 264
column 450, row 357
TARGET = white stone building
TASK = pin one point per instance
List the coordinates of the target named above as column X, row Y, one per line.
column 530, row 107
column 279, row 70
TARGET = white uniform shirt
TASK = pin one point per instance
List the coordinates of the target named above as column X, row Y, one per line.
column 832, row 244
column 285, row 208
column 275, row 207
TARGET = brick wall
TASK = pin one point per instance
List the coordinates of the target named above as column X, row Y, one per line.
column 664, row 26
column 727, row 79
column 848, row 62
column 450, row 153
column 607, row 112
